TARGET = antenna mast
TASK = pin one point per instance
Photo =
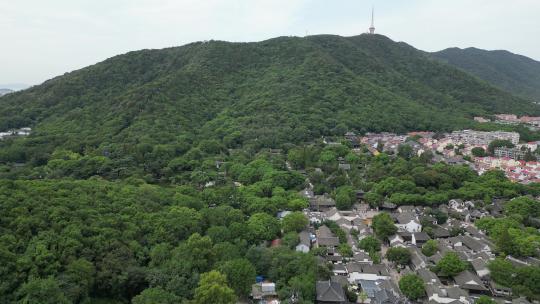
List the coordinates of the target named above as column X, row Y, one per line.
column 372, row 27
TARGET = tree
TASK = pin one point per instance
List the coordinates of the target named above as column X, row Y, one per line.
column 499, row 143
column 294, row 221
column 155, row 295
column 478, row 152
column 298, row 204
column 430, row 248
column 523, row 206
column 213, row 288
column 345, row 197
column 450, row 264
column 241, row 275
column 505, row 243
column 41, row 291
column 78, row 279
column 297, row 158
column 405, row 151
column 263, row 227
column 351, row 295
column 502, row 271
column 373, row 199
column 290, row 239
column 412, row 286
column 426, row 157
column 369, row 244
column 345, row 250
column 440, row 216
column 375, row 257
column 529, row 157
column 399, row 255
column 485, row 300
column 363, row 296
column 383, row 225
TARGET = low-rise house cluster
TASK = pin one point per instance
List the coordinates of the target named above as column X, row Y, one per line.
column 513, row 119
column 15, row 132
column 472, row 137
column 512, row 153
column 389, row 141
column 449, row 147
column 378, row 280
column 517, row 171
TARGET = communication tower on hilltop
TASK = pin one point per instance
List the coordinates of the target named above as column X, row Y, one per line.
column 372, row 27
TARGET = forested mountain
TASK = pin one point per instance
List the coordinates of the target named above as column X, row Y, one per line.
column 514, row 73
column 262, row 94
column 147, row 179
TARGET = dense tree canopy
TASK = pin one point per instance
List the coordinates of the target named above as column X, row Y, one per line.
column 399, row 255
column 412, row 286
column 156, row 176
column 383, row 225
column 213, row 289
column 450, row 264
column 430, row 248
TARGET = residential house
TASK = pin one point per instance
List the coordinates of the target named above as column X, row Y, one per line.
column 362, row 257
column 481, row 269
column 471, row 282
column 387, row 294
column 264, row 292
column 440, row 233
column 396, row 241
column 322, row 202
column 329, row 292
column 434, row 259
column 305, row 242
column 408, row 221
column 358, row 271
column 339, row 270
column 406, row 209
column 476, row 245
column 446, row 295
column 499, row 290
column 428, row 276
column 418, row 259
column 325, row 237
column 388, row 206
column 460, row 205
column 419, row 238
column 342, row 280
column 307, row 193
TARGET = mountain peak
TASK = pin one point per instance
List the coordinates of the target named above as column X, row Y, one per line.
column 257, row 94
column 514, row 73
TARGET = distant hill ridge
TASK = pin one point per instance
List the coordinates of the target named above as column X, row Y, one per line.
column 5, row 91
column 260, row 94
column 514, row 73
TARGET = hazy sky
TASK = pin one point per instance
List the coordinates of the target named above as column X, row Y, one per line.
column 41, row 39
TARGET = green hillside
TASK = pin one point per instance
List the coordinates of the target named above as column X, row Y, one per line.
column 147, row 178
column 254, row 95
column 514, row 73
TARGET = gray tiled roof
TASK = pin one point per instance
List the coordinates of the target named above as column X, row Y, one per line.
column 328, row 291
column 304, row 238
column 428, row 276
column 469, row 280
column 406, row 217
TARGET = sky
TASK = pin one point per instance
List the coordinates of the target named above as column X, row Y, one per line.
column 43, row 39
